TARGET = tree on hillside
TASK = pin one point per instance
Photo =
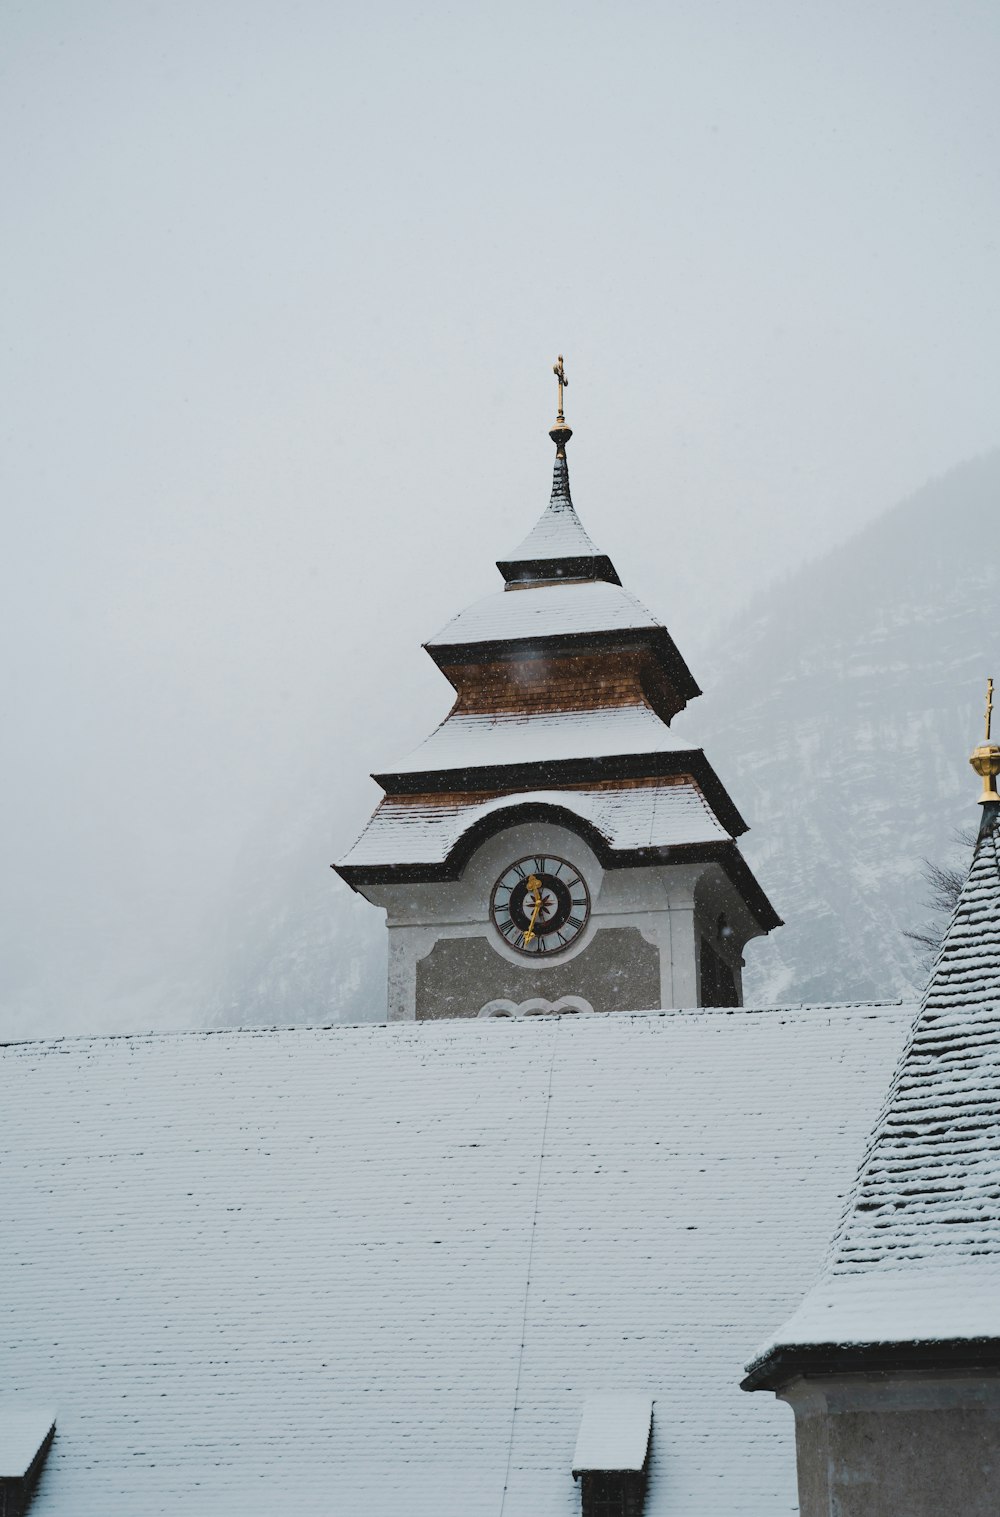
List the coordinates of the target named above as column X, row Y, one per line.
column 944, row 886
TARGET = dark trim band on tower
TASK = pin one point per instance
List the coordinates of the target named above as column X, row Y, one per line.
column 782, row 1365
column 545, row 571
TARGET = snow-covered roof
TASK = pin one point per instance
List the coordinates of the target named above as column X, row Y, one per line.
column 23, row 1430
column 614, row 1433
column 558, row 533
column 890, row 1305
column 473, row 739
column 926, row 1204
column 352, row 1269
column 407, row 830
column 546, row 611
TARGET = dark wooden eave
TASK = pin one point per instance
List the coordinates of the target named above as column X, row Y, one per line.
column 550, row 571
column 657, row 639
column 815, row 1360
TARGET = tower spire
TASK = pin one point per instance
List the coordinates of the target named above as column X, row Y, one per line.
column 557, row 547
column 985, row 758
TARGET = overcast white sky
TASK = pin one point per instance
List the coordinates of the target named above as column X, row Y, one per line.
column 282, row 288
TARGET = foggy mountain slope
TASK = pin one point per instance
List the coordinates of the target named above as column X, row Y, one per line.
column 841, row 708
column 297, row 945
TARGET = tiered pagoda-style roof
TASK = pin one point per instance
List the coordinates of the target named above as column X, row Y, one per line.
column 565, row 690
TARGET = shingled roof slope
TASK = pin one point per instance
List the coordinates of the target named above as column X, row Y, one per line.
column 647, row 816
column 466, row 739
column 545, row 610
column 917, row 1255
column 381, row 1269
column 559, row 532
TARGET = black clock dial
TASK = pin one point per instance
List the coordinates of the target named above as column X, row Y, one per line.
column 540, row 905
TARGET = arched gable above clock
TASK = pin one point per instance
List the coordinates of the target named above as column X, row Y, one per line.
column 553, row 842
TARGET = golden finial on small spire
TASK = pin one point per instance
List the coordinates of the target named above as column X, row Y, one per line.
column 985, row 759
column 560, row 432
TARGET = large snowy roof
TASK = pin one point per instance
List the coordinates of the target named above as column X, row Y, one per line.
column 406, row 831
column 917, row 1255
column 375, row 1269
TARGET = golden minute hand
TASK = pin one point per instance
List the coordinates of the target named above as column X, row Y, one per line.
column 535, row 886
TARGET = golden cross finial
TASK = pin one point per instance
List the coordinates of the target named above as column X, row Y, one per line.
column 985, row 759
column 989, row 707
column 560, row 373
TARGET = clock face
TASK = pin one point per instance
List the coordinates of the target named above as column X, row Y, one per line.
column 540, row 905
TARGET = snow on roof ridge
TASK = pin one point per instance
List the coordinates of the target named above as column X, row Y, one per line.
column 251, row 1029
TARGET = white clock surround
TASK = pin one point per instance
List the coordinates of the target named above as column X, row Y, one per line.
column 672, row 906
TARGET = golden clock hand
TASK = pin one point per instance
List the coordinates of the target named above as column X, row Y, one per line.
column 530, row 934
column 534, row 884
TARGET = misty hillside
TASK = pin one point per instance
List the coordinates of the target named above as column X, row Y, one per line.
column 299, row 945
column 840, row 710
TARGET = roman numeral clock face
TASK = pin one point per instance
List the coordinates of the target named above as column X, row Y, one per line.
column 540, row 905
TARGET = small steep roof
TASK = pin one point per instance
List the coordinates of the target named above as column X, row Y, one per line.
column 917, row 1255
column 557, row 547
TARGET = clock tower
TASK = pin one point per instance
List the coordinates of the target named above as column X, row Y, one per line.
column 555, row 845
